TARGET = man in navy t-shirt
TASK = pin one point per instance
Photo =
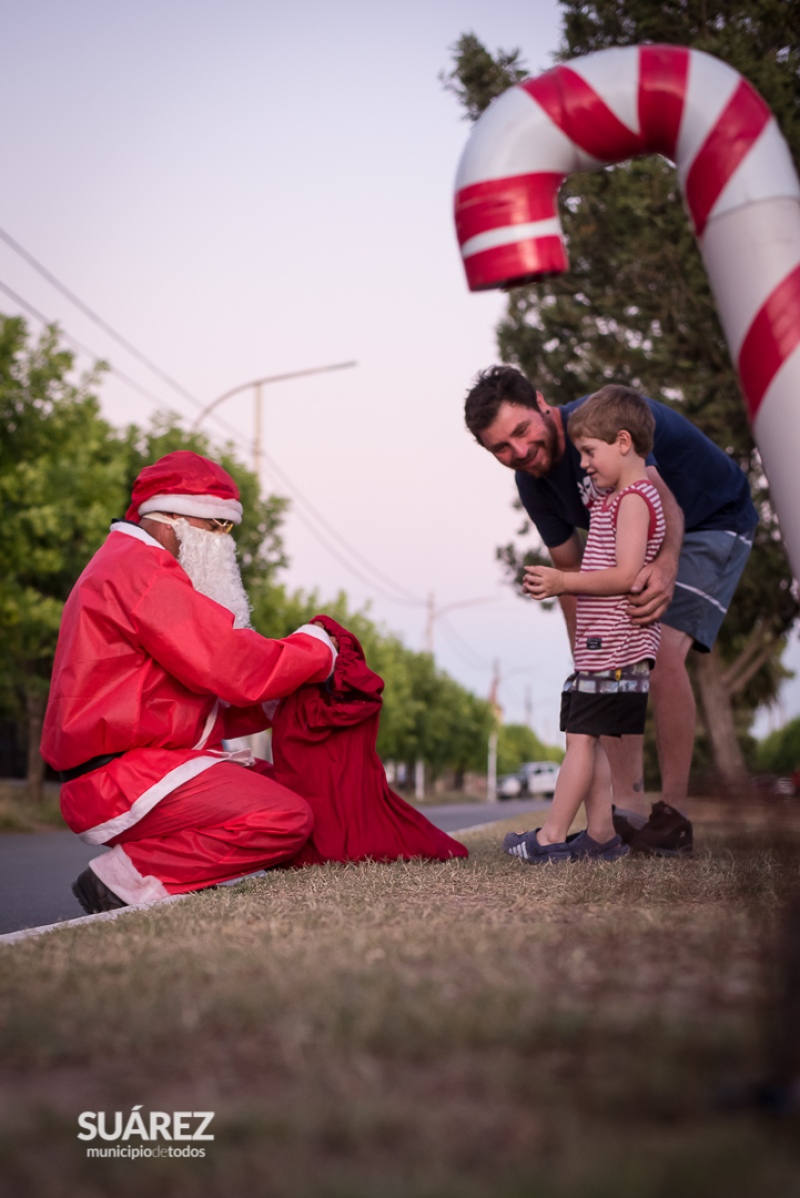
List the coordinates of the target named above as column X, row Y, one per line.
column 710, row 525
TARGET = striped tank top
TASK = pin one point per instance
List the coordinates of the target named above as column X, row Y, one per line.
column 605, row 637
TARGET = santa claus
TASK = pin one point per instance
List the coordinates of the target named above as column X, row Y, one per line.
column 155, row 665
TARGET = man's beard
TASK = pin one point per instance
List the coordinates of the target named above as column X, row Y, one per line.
column 546, row 454
column 209, row 558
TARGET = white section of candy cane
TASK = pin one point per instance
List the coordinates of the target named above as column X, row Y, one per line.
column 748, row 252
column 515, row 137
column 709, row 87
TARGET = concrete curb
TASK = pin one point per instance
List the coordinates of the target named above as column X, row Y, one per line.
column 26, row 933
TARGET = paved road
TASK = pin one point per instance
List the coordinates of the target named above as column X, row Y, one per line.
column 37, row 869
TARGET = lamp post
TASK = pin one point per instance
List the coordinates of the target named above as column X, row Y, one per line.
column 258, row 384
column 433, row 615
column 491, row 772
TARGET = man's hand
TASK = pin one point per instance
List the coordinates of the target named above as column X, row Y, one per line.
column 330, row 634
column 542, row 582
column 651, row 593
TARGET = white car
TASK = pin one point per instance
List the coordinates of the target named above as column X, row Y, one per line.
column 509, row 786
column 533, row 779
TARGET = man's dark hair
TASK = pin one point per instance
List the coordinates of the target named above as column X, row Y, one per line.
column 493, row 387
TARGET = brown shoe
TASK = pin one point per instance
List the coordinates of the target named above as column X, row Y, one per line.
column 93, row 895
column 667, row 833
column 627, row 823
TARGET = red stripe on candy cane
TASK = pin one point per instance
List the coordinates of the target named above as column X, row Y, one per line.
column 771, row 338
column 496, row 203
column 663, row 78
column 517, row 261
column 579, row 112
column 738, row 128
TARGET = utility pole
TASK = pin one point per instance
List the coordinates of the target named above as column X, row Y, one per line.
column 491, row 765
column 258, row 451
column 432, row 617
column 429, row 623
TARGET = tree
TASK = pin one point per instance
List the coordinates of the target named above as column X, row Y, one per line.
column 780, row 751
column 61, row 471
column 517, row 743
column 635, row 307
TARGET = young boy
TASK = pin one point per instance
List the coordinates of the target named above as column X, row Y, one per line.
column 607, row 694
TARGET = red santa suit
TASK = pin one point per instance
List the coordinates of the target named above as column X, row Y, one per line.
column 153, row 672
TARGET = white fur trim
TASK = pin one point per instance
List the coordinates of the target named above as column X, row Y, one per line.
column 209, row 507
column 121, row 876
column 317, row 631
column 102, row 833
column 138, row 534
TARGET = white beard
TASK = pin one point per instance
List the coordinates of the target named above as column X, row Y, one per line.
column 209, row 558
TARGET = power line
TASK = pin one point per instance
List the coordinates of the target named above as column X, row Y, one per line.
column 373, row 587
column 407, row 596
column 84, row 349
column 157, row 400
column 463, row 648
column 402, row 595
column 98, row 320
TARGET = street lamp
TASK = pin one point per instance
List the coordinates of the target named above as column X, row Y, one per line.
column 258, row 384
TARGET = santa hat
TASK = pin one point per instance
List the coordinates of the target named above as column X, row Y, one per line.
column 188, row 484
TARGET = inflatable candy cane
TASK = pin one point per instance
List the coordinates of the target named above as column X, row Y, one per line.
column 738, row 182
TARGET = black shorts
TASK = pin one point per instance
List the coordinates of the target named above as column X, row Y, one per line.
column 608, row 703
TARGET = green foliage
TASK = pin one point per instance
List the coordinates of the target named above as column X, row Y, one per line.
column 517, row 743
column 779, row 753
column 477, row 77
column 635, row 306
column 59, row 472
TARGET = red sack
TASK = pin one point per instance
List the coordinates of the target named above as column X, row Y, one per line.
column 323, row 746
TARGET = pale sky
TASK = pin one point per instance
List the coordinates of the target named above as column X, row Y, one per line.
column 242, row 189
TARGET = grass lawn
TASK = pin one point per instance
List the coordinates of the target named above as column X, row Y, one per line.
column 479, row 1029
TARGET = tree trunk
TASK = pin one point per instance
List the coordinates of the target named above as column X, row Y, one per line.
column 34, row 705
column 715, row 698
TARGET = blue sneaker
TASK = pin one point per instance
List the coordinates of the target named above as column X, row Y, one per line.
column 525, row 845
column 583, row 848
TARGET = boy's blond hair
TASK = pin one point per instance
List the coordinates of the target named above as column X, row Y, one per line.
column 611, row 410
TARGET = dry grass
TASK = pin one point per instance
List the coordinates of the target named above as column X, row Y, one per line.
column 19, row 814
column 474, row 1029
